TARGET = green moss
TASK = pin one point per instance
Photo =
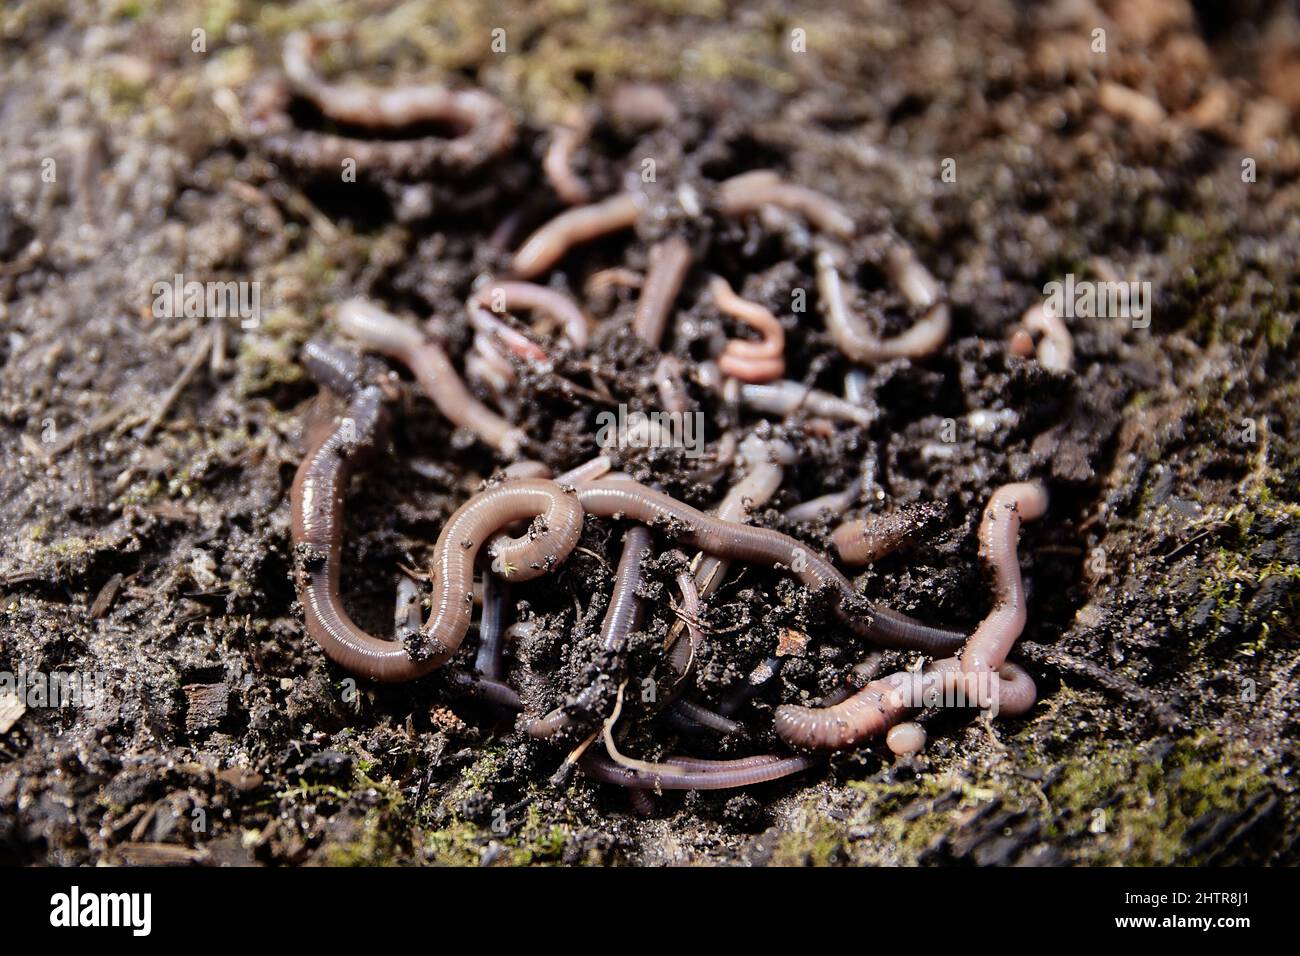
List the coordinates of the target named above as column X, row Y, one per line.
column 1129, row 805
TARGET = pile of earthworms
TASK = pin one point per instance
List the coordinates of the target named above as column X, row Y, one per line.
column 525, row 523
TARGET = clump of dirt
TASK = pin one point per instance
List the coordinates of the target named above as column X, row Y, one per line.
column 148, row 526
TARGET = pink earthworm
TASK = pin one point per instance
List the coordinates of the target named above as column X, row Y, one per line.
column 982, row 673
column 548, row 244
column 481, row 119
column 753, row 362
column 501, row 296
column 852, row 336
column 749, row 192
column 999, row 531
column 728, row 539
column 703, row 775
column 641, row 105
column 1056, row 349
column 381, row 331
column 317, row 500
column 670, row 260
column 906, row 738
column 557, row 163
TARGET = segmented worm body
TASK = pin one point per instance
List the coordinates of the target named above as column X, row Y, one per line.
column 380, row 331
column 547, row 245
column 702, row 775
column 753, row 362
column 750, row 192
column 669, row 262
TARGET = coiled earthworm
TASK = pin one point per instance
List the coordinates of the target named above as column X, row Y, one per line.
column 484, row 127
column 501, row 296
column 728, row 539
column 381, row 331
column 622, row 617
column 871, row 538
column 785, row 397
column 317, row 500
column 753, row 362
column 724, row 777
column 1056, row 348
column 999, row 530
column 749, row 192
column 547, row 245
column 670, row 260
column 557, row 163
column 851, row 334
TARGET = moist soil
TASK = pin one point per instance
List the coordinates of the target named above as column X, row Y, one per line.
column 147, row 534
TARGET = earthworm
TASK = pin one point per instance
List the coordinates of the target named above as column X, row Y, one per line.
column 587, row 471
column 526, row 468
column 682, row 653
column 670, row 260
column 484, row 128
column 993, row 639
column 724, row 777
column 548, row 244
column 755, row 489
column 785, row 397
column 749, row 192
column 557, row 163
column 831, row 505
column 491, row 627
column 500, row 296
column 622, row 617
column 492, row 691
column 758, row 678
column 728, row 539
column 701, row 716
column 641, row 106
column 317, row 500
column 868, row 539
column 753, row 362
column 1056, row 348
column 672, row 389
column 852, row 336
column 383, row 332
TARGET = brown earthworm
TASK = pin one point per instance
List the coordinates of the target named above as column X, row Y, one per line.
column 622, row 617
column 1010, row 504
column 753, row 362
column 381, row 331
column 728, row 539
column 881, row 703
column 483, row 126
column 501, row 296
column 547, row 245
column 1056, row 349
column 851, row 334
column 871, row 538
column 317, row 499
column 557, row 163
column 697, row 715
column 670, row 260
column 749, row 192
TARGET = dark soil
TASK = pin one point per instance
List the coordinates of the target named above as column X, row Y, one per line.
column 148, row 542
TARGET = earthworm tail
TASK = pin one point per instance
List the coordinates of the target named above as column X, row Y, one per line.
column 383, row 332
column 628, row 499
column 669, row 262
column 547, row 245
column 999, row 531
